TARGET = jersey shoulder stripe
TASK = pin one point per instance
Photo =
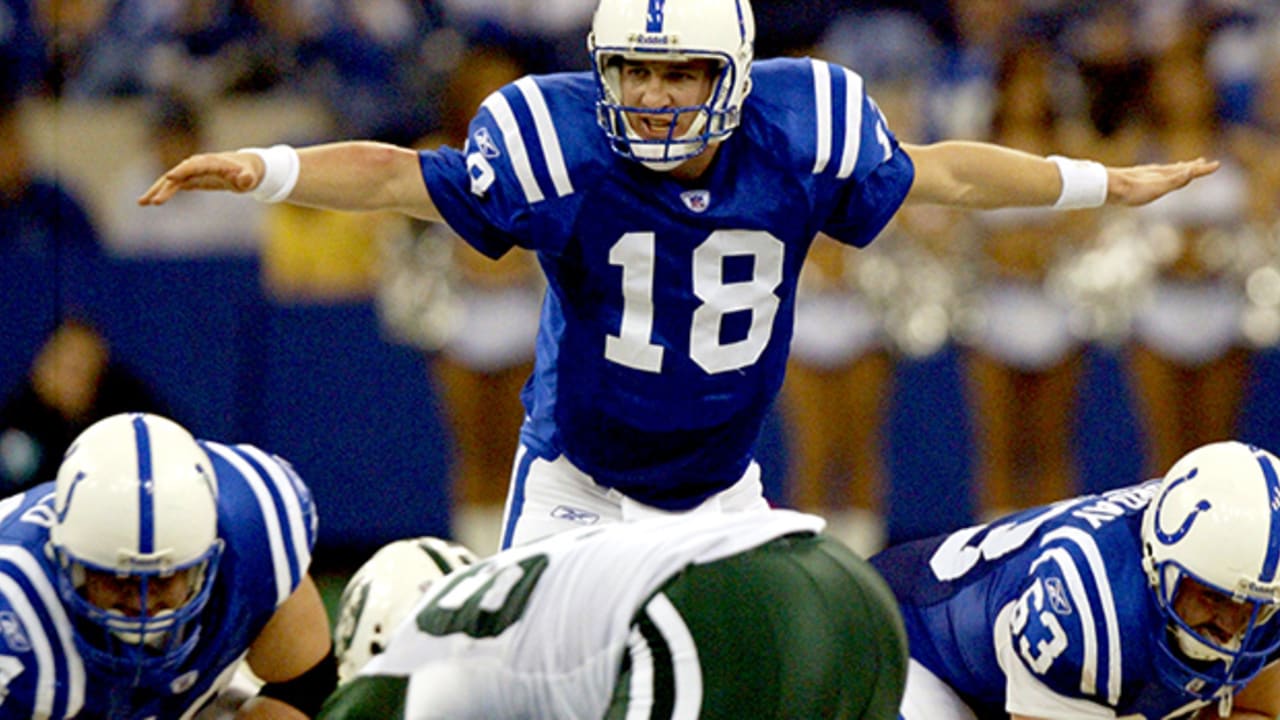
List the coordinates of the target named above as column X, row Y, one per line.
column 829, row 122
column 1080, row 561
column 284, row 506
column 528, row 131
column 547, row 137
column 293, row 501
column 850, row 136
column 43, row 627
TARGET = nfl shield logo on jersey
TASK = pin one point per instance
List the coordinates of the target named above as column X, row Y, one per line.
column 184, row 682
column 696, row 200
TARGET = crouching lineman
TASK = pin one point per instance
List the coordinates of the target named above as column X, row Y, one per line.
column 708, row 616
column 1151, row 601
column 135, row 584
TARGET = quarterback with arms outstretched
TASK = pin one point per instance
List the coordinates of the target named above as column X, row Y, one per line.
column 671, row 195
column 136, row 584
column 1155, row 601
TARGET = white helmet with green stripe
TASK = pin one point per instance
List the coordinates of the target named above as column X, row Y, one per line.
column 383, row 591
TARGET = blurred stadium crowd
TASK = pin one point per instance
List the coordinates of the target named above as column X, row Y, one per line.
column 1181, row 299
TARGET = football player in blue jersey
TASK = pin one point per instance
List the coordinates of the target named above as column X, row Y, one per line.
column 670, row 195
column 138, row 582
column 1151, row 601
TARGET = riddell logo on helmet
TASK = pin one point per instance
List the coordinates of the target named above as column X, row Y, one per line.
column 651, row 39
column 147, row 562
column 1255, row 589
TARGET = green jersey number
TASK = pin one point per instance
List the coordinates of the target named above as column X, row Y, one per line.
column 484, row 600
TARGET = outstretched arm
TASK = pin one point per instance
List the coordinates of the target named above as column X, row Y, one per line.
column 358, row 175
column 983, row 176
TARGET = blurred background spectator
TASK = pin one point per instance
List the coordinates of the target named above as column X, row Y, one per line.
column 1026, row 361
column 23, row 54
column 202, row 224
column 378, row 65
column 835, row 397
column 118, row 48
column 73, row 383
column 1190, row 361
column 314, row 255
column 46, row 228
column 474, row 317
column 548, row 35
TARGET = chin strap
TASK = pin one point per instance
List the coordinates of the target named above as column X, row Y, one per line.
column 1226, row 701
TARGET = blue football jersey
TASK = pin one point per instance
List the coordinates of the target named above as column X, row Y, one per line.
column 268, row 522
column 1064, row 587
column 669, row 308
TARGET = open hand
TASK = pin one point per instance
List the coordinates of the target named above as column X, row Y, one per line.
column 1140, row 184
column 232, row 171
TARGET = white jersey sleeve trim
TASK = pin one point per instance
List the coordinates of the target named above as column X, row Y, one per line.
column 827, row 122
column 1093, row 557
column 297, row 524
column 40, row 642
column 852, row 122
column 500, row 109
column 1080, row 599
column 551, row 151
column 822, row 112
column 271, row 520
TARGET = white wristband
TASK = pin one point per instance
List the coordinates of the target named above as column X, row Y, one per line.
column 281, row 173
column 1084, row 183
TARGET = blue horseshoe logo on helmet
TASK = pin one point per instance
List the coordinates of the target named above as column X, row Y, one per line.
column 1176, row 535
column 71, row 491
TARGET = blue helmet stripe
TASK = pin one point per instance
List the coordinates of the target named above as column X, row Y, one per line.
column 655, row 17
column 1273, row 501
column 146, row 510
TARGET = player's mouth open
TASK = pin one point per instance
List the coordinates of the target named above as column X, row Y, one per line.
column 1218, row 634
column 653, row 127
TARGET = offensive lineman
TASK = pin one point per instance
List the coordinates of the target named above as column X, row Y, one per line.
column 1154, row 601
column 136, row 584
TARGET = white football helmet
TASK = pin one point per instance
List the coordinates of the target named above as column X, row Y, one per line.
column 383, row 591
column 1215, row 520
column 135, row 502
column 679, row 31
